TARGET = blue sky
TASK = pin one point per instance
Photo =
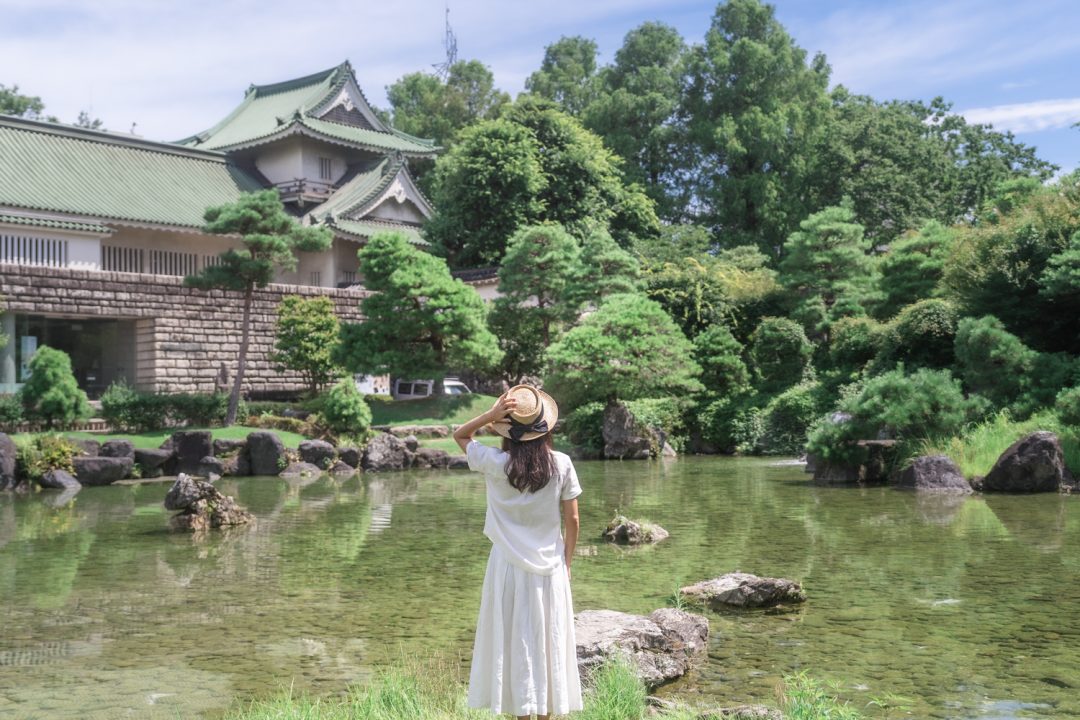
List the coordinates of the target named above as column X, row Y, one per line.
column 174, row 68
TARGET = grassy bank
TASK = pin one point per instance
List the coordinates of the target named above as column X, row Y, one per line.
column 977, row 448
column 446, row 410
column 433, row 691
column 155, row 438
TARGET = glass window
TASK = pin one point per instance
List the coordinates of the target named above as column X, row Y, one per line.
column 404, row 388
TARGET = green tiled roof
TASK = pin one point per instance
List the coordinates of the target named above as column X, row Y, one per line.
column 364, row 187
column 269, row 111
column 47, row 166
column 53, row 224
column 367, row 228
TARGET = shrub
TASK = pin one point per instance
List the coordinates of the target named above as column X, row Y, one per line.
column 921, row 335
column 993, row 362
column 584, row 426
column 788, row 417
column 925, row 404
column 344, row 411
column 1067, row 406
column 11, row 411
column 780, row 352
column 719, row 354
column 665, row 414
column 51, row 393
column 130, row 410
column 34, row 457
column 854, row 342
column 305, row 338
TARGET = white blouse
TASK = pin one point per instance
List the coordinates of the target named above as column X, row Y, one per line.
column 525, row 526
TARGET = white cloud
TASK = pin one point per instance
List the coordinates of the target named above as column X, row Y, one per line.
column 1028, row 117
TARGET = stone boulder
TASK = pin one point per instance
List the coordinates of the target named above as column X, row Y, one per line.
column 152, row 463
column 190, row 447
column 7, row 462
column 317, row 452
column 624, row 531
column 350, row 456
column 341, row 470
column 236, row 465
column 101, row 470
column 744, row 590
column 1032, row 464
column 91, row 448
column 457, row 462
column 625, row 438
column 412, row 442
column 266, row 453
column 210, row 467
column 662, row 646
column 224, row 447
column 429, row 431
column 431, row 458
column 57, row 479
column 117, row 448
column 386, row 452
column 202, row 506
column 933, row 473
column 301, row 469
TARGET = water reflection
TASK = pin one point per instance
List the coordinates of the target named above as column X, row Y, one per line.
column 949, row 600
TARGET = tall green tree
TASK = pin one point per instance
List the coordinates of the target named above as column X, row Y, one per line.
column 634, row 108
column 755, row 110
column 628, row 349
column 912, row 269
column 51, row 393
column 566, row 74
column 606, row 269
column 307, row 333
column 419, row 321
column 270, row 238
column 12, row 102
column 826, row 265
column 429, row 106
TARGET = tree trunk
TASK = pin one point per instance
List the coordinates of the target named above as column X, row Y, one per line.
column 245, row 335
column 438, row 387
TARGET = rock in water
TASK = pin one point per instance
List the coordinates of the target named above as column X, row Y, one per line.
column 190, row 447
column 152, row 462
column 386, row 452
column 266, row 453
column 1035, row 463
column 624, row 437
column 117, row 448
column 317, row 452
column 662, row 646
column 350, row 456
column 201, row 506
column 623, row 531
column 7, row 462
column 933, row 473
column 301, row 469
column 744, row 590
column 59, row 480
column 101, row 470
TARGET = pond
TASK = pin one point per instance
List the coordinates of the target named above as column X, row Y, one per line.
column 968, row 607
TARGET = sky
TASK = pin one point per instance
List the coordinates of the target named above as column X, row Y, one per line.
column 175, row 67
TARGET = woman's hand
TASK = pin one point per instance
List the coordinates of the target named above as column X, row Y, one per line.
column 502, row 407
column 464, row 434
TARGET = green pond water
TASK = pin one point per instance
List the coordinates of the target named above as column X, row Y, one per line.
column 968, row 607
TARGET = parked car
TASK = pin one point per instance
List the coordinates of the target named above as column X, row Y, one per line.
column 413, row 389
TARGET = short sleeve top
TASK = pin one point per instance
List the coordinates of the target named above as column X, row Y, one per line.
column 525, row 526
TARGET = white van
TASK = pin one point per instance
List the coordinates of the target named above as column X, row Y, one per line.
column 414, row 389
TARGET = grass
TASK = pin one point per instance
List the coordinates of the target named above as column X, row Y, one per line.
column 434, row 691
column 155, row 438
column 977, row 448
column 451, row 447
column 446, row 410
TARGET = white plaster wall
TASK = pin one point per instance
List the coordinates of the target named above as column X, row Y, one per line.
column 391, row 209
column 345, row 259
column 312, row 151
column 282, row 161
column 84, row 253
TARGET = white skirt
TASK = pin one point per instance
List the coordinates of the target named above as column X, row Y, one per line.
column 524, row 657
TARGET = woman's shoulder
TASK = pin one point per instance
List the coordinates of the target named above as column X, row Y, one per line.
column 561, row 458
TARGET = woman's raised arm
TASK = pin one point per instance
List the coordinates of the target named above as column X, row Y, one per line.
column 464, row 434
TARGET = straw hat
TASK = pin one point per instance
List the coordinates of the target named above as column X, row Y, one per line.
column 535, row 415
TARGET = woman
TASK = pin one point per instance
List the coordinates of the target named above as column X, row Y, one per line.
column 524, row 656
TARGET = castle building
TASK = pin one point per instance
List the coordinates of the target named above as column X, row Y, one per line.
column 98, row 230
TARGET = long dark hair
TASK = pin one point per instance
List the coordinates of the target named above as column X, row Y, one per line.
column 531, row 464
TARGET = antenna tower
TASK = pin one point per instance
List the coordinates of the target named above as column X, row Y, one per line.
column 450, row 46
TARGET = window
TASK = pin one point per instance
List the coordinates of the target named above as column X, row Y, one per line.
column 31, row 250
column 168, row 262
column 326, row 168
column 404, row 388
column 316, row 279
column 349, row 276
column 121, row 259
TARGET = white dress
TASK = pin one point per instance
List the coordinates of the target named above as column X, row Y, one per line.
column 524, row 656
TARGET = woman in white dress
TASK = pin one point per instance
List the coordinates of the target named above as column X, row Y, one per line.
column 524, row 656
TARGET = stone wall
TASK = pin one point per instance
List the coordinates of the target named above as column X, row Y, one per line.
column 182, row 335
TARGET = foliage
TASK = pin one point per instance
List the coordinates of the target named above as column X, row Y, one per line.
column 36, row 455
column 804, row 698
column 519, row 332
column 633, row 107
column 419, row 320
column 755, row 111
column 270, row 238
column 584, row 426
column 992, row 361
column 131, row 410
column 788, row 417
column 675, row 243
column 445, row 410
column 666, row 414
column 606, row 269
column 1061, row 279
column 51, row 394
column 826, row 263
column 854, row 342
column 926, row 404
column 566, row 73
column 779, row 353
column 913, row 267
column 11, row 411
column 538, row 277
column 344, row 411
column 1067, row 406
column 733, row 424
column 628, row 349
column 977, row 446
column 12, row 102
column 307, row 332
column 921, row 335
column 429, row 106
column 720, row 356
